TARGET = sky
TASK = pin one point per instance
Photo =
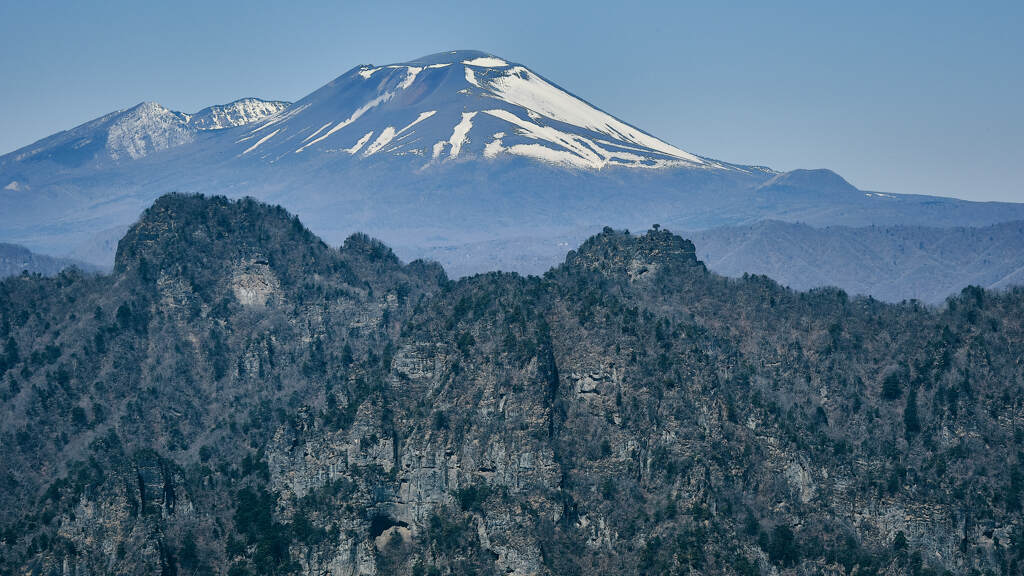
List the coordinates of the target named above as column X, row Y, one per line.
column 909, row 97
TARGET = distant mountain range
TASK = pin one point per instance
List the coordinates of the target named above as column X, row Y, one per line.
column 439, row 156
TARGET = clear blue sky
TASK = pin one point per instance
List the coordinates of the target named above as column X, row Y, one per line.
column 915, row 97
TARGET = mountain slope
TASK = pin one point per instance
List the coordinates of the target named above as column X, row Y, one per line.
column 239, row 397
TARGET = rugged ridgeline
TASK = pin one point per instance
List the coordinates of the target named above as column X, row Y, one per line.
column 238, row 397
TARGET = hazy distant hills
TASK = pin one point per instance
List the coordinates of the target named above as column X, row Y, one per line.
column 890, row 263
column 439, row 156
column 16, row 259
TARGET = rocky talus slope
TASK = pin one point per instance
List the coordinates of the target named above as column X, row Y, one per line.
column 238, row 397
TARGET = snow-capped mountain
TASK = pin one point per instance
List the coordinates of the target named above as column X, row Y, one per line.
column 144, row 129
column 139, row 131
column 460, row 104
column 237, row 113
column 465, row 157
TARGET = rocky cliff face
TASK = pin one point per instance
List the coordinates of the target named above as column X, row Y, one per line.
column 239, row 397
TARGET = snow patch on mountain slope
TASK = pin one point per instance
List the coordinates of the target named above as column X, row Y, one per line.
column 284, row 116
column 486, row 62
column 549, row 155
column 313, row 135
column 494, row 147
column 460, row 133
column 359, row 144
column 423, row 116
column 410, row 77
column 261, row 141
column 571, row 142
column 386, row 136
column 355, row 116
column 366, row 73
column 522, row 87
column 571, row 149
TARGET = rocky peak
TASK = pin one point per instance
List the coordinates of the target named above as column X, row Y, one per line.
column 619, row 252
column 259, row 252
column 237, row 113
column 190, row 234
column 146, row 128
column 370, row 248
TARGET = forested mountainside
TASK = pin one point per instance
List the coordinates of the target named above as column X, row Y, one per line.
column 237, row 397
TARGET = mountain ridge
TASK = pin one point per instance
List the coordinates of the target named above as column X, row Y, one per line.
column 288, row 407
column 140, row 130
